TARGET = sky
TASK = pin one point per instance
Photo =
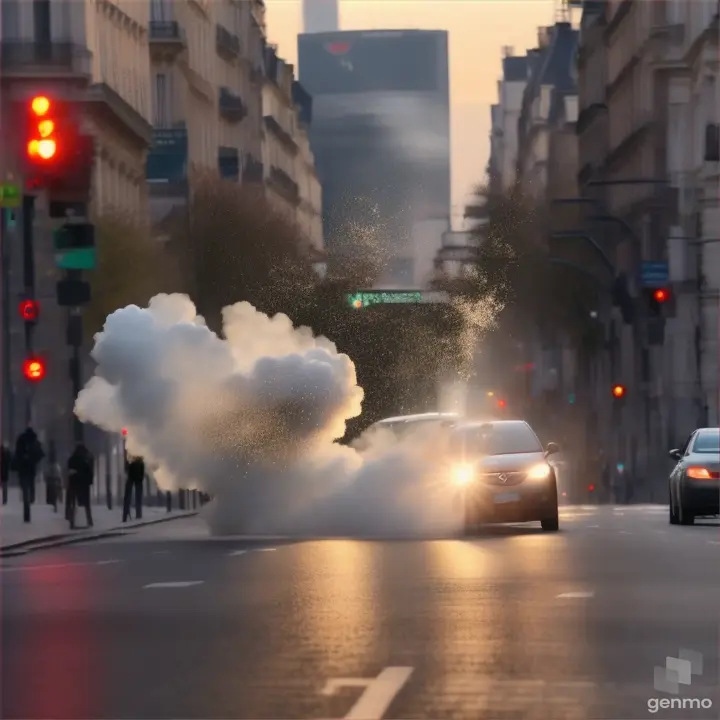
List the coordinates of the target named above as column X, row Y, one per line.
column 478, row 31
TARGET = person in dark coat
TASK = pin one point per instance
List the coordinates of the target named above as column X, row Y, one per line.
column 81, row 474
column 5, row 464
column 27, row 457
column 135, row 470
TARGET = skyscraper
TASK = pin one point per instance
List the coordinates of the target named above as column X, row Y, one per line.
column 381, row 138
column 320, row 16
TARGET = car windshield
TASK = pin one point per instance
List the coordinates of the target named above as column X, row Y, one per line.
column 497, row 439
column 402, row 427
column 707, row 442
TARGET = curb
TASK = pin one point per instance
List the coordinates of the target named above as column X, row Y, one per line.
column 41, row 543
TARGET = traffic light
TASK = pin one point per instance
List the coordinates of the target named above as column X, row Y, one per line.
column 56, row 155
column 29, row 311
column 42, row 137
column 658, row 301
column 502, row 404
column 34, row 369
column 619, row 391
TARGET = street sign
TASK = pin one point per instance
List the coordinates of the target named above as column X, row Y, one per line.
column 365, row 298
column 10, row 195
column 654, row 273
column 74, row 245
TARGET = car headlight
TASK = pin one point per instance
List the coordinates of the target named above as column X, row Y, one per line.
column 539, row 472
column 463, row 474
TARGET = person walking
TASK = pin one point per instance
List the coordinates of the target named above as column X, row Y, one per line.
column 81, row 475
column 135, row 477
column 28, row 454
column 5, row 464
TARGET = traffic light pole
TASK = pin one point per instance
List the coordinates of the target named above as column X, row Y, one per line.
column 74, row 338
column 28, row 219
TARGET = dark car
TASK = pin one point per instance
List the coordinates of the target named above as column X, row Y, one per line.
column 503, row 475
column 695, row 480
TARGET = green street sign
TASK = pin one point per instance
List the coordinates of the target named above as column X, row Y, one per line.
column 10, row 195
column 74, row 245
column 85, row 259
column 366, row 298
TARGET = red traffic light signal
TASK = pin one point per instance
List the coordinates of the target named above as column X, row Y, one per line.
column 124, row 432
column 34, row 369
column 661, row 295
column 501, row 404
column 29, row 310
column 619, row 391
column 42, row 144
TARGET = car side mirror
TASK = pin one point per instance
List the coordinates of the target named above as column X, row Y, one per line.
column 552, row 448
column 675, row 454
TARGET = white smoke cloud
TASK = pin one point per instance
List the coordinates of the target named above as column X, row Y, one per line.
column 252, row 418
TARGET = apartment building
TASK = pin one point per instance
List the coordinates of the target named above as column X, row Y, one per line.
column 280, row 146
column 505, row 116
column 207, row 68
column 309, row 208
column 95, row 55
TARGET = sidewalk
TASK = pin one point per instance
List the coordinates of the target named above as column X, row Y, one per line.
column 49, row 525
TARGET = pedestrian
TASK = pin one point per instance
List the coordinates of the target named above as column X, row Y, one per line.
column 81, row 474
column 135, row 477
column 27, row 457
column 5, row 464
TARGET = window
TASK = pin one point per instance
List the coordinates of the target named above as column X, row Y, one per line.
column 160, row 10
column 161, row 101
column 707, row 442
column 496, row 439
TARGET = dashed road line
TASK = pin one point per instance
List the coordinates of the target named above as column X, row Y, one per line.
column 575, row 595
column 172, row 585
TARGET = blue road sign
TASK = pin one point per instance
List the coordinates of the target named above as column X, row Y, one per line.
column 654, row 273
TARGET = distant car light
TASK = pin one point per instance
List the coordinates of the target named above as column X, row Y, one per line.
column 539, row 472
column 463, row 474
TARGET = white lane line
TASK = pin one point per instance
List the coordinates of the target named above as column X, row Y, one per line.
column 55, row 566
column 713, row 542
column 593, row 526
column 170, row 585
column 574, row 595
column 624, row 532
column 234, row 553
column 379, row 692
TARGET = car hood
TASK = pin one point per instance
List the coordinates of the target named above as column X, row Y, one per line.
column 508, row 463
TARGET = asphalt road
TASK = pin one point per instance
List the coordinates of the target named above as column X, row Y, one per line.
column 513, row 624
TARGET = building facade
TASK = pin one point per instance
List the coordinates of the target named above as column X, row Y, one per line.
column 207, row 79
column 321, row 16
column 94, row 56
column 381, row 139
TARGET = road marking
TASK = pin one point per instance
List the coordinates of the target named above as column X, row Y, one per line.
column 593, row 526
column 187, row 583
column 379, row 692
column 266, row 550
column 624, row 532
column 55, row 566
column 234, row 553
column 713, row 542
column 574, row 595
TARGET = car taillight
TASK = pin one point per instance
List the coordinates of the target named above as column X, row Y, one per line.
column 701, row 473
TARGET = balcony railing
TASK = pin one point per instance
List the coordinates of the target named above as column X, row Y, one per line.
column 21, row 57
column 231, row 106
column 285, row 138
column 253, row 170
column 227, row 43
column 165, row 31
column 284, row 184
